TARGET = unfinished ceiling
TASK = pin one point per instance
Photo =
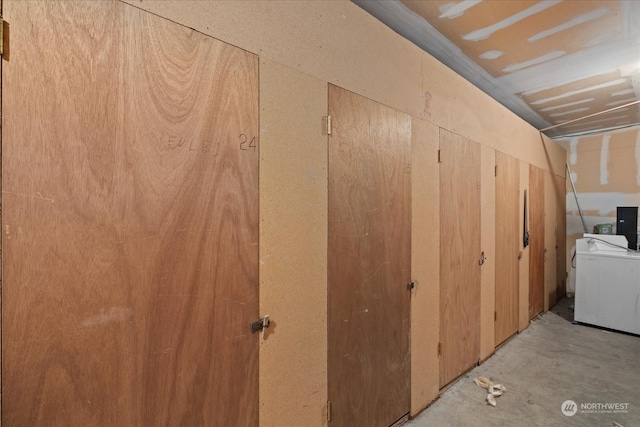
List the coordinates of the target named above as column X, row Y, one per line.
column 551, row 62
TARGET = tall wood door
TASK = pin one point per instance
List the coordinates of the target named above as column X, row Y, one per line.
column 130, row 221
column 508, row 239
column 369, row 261
column 536, row 240
column 550, row 241
column 459, row 255
column 561, row 235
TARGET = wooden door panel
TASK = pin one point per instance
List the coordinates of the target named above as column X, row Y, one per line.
column 130, row 211
column 459, row 255
column 536, row 247
column 508, row 240
column 369, row 261
column 550, row 243
column 561, row 235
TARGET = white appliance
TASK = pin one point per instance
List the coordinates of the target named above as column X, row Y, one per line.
column 607, row 283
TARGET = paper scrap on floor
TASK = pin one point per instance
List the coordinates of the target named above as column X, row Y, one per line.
column 494, row 390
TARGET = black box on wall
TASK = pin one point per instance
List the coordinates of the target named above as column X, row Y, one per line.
column 627, row 224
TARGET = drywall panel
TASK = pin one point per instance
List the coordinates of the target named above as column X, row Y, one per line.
column 293, row 247
column 523, row 290
column 425, row 264
column 606, row 174
column 334, row 41
column 488, row 246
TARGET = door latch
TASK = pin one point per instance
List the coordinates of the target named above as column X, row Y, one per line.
column 411, row 285
column 260, row 324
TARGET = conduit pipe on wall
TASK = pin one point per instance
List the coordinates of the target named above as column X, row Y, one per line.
column 584, row 225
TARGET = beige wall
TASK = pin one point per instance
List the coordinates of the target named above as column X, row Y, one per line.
column 606, row 174
column 303, row 45
column 425, row 264
column 293, row 245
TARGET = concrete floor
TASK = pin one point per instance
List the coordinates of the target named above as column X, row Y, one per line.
column 550, row 362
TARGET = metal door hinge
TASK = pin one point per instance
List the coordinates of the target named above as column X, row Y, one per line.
column 439, row 349
column 495, row 316
column 328, row 410
column 439, row 156
column 482, row 258
column 495, row 171
column 260, row 324
column 327, row 125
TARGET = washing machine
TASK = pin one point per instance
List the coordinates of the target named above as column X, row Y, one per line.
column 607, row 290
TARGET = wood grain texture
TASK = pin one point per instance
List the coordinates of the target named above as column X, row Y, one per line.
column 523, row 288
column 508, row 236
column 561, row 235
column 536, row 216
column 130, row 222
column 550, row 242
column 459, row 255
column 369, row 261
column 488, row 246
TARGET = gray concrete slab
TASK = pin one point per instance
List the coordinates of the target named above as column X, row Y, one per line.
column 550, row 362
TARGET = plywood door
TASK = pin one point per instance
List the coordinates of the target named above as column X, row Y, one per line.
column 561, row 235
column 369, row 261
column 130, row 218
column 536, row 240
column 550, row 243
column 508, row 239
column 459, row 255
